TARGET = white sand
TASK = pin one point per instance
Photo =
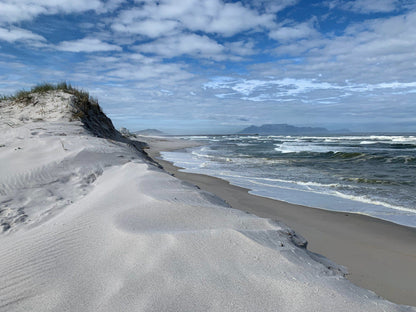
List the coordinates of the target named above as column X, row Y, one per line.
column 91, row 226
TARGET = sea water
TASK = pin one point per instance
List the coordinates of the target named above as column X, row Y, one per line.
column 368, row 174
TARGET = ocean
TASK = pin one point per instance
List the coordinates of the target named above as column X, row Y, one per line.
column 368, row 174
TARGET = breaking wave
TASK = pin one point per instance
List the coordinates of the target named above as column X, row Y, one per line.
column 374, row 175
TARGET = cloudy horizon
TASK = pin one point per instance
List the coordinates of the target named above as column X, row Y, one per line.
column 214, row 66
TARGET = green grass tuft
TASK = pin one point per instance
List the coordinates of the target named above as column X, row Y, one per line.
column 85, row 108
column 84, row 103
column 43, row 88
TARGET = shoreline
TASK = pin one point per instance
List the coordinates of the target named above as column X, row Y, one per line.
column 379, row 255
column 78, row 201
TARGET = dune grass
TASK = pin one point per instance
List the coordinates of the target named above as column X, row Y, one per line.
column 46, row 87
column 83, row 103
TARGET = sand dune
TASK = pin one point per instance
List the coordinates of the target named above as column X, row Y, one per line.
column 89, row 224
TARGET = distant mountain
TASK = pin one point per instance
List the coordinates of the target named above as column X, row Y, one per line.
column 149, row 132
column 283, row 129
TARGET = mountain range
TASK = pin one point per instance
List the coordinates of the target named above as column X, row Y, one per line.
column 286, row 129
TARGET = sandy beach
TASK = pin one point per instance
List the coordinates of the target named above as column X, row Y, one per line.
column 90, row 223
column 378, row 255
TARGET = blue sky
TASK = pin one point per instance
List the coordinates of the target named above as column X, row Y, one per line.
column 214, row 66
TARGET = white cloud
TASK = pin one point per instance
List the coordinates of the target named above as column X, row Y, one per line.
column 294, row 32
column 174, row 24
column 18, row 34
column 87, row 45
column 241, row 47
column 371, row 6
column 13, row 11
column 366, row 6
column 209, row 16
column 189, row 44
column 384, row 42
column 110, row 5
column 270, row 88
column 371, row 63
column 271, row 6
column 290, row 89
column 233, row 18
column 123, row 68
column 372, row 51
column 158, row 72
column 149, row 27
column 392, row 85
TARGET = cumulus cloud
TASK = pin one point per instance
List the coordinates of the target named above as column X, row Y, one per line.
column 232, row 18
column 209, row 16
column 110, row 5
column 134, row 68
column 294, row 32
column 87, row 45
column 158, row 71
column 190, row 27
column 381, row 42
column 18, row 34
column 189, row 44
column 149, row 27
column 373, row 51
column 12, row 11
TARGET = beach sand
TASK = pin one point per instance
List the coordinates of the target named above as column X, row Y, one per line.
column 378, row 255
column 89, row 223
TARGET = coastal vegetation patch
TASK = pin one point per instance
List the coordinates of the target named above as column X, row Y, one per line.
column 83, row 104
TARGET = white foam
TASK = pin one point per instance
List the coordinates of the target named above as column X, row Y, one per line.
column 288, row 147
column 317, row 188
column 265, row 186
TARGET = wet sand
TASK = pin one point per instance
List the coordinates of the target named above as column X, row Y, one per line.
column 379, row 255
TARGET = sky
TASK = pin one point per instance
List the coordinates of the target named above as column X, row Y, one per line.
column 215, row 66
